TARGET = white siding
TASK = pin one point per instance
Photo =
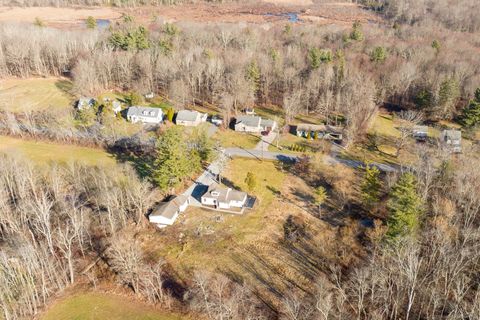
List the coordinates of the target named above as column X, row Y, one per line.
column 162, row 220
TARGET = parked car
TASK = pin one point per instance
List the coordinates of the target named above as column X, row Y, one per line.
column 216, row 120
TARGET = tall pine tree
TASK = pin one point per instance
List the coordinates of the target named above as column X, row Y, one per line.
column 371, row 186
column 174, row 160
column 471, row 113
column 405, row 208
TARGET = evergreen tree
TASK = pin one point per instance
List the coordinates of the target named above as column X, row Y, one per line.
column 405, row 208
column 423, row 99
column 174, row 161
column 471, row 113
column 378, row 55
column 314, row 58
column 251, row 181
column 371, row 186
column 202, row 145
column 91, row 22
column 356, row 34
column 448, row 94
column 253, row 75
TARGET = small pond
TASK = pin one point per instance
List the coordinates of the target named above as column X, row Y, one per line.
column 291, row 16
column 102, row 23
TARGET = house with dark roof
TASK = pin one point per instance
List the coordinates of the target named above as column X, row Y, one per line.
column 254, row 124
column 165, row 213
column 223, row 198
column 320, row 131
column 190, row 118
column 451, row 140
column 145, row 114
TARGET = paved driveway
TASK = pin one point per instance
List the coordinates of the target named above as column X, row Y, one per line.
column 265, row 141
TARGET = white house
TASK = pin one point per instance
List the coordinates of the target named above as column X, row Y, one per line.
column 452, row 140
column 190, row 118
column 85, row 102
column 166, row 213
column 145, row 115
column 254, row 124
column 223, row 198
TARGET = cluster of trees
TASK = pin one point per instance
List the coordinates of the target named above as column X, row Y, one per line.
column 456, row 17
column 178, row 156
column 325, row 70
column 54, row 222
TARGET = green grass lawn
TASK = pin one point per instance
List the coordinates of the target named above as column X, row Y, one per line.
column 44, row 152
column 19, row 95
column 229, row 138
column 93, row 306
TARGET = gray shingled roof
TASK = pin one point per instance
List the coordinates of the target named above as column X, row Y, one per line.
column 144, row 111
column 453, row 134
column 169, row 209
column 267, row 123
column 225, row 194
column 250, row 121
column 187, row 115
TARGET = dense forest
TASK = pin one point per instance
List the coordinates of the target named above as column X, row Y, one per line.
column 420, row 263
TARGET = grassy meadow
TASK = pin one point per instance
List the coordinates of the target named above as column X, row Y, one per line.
column 44, row 152
column 100, row 306
column 20, row 95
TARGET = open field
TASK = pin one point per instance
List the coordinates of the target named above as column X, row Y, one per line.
column 99, row 306
column 44, row 152
column 18, row 95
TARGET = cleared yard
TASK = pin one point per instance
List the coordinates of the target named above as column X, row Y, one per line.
column 229, row 138
column 18, row 95
column 98, row 306
column 208, row 243
column 44, row 152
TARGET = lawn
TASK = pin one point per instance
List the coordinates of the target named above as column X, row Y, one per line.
column 19, row 95
column 93, row 306
column 44, row 152
column 229, row 138
column 208, row 243
column 286, row 141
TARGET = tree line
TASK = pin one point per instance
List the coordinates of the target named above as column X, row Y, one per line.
column 336, row 72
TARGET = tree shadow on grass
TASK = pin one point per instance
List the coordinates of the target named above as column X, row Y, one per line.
column 65, row 86
column 275, row 274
